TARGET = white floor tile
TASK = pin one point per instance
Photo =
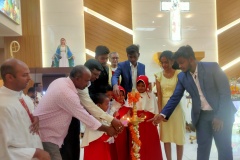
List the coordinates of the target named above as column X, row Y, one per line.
column 190, row 150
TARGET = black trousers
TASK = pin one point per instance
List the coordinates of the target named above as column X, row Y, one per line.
column 71, row 146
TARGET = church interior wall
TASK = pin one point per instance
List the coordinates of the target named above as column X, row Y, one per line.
column 30, row 42
column 62, row 19
column 2, row 55
column 197, row 31
column 9, row 27
column 228, row 42
column 99, row 32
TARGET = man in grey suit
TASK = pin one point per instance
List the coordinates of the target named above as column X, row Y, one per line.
column 212, row 107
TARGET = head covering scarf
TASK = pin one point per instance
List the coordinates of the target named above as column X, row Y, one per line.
column 144, row 79
column 120, row 89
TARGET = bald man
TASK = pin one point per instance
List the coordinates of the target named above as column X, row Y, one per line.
column 15, row 117
column 59, row 105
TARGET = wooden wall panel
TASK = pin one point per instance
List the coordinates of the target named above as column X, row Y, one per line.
column 98, row 32
column 1, row 83
column 88, row 57
column 229, row 45
column 227, row 12
column 228, row 41
column 2, row 56
column 30, row 42
column 234, row 71
column 118, row 10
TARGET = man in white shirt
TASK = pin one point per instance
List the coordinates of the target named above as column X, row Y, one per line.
column 113, row 59
column 212, row 108
column 15, row 117
column 128, row 70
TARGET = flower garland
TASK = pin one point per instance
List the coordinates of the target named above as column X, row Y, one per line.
column 136, row 142
column 133, row 97
column 235, row 89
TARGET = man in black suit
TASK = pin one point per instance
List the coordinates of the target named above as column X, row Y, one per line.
column 99, row 85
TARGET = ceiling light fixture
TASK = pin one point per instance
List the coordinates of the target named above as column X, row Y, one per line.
column 188, row 16
column 160, row 15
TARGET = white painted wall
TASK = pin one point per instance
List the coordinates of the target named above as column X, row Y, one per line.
column 62, row 19
column 199, row 30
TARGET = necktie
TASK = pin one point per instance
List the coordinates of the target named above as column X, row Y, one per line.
column 26, row 108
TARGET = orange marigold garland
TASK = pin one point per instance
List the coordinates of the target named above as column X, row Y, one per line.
column 136, row 142
column 133, row 97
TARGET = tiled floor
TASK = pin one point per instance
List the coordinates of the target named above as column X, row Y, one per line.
column 190, row 150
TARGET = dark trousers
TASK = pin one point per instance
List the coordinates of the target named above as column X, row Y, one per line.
column 205, row 135
column 71, row 146
column 53, row 150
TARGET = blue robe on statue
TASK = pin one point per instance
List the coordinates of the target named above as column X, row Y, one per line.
column 57, row 57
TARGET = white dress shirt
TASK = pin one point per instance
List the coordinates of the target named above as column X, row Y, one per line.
column 134, row 75
column 148, row 102
column 91, row 135
column 204, row 104
column 91, row 107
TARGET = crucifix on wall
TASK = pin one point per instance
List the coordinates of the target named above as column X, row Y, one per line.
column 175, row 7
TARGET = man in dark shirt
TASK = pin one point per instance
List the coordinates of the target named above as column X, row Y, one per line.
column 99, row 85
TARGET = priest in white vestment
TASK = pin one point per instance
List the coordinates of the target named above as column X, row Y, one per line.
column 16, row 141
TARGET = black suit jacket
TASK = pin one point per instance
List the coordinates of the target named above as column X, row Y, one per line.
column 100, row 84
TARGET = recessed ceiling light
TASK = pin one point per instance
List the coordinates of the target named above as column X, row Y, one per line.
column 160, row 15
column 188, row 16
